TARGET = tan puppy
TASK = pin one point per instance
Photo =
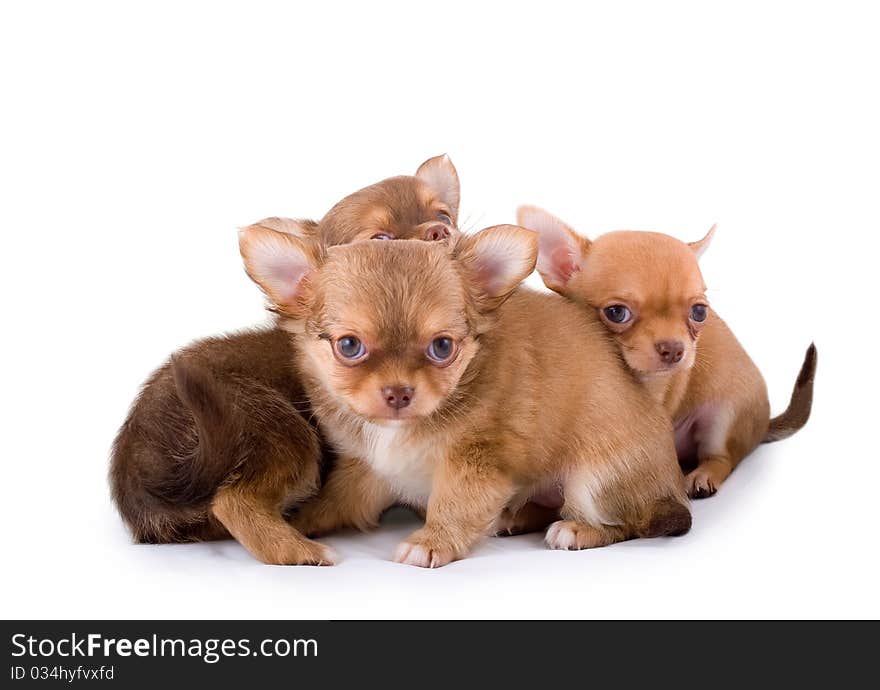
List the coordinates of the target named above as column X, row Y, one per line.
column 220, row 442
column 441, row 393
column 648, row 291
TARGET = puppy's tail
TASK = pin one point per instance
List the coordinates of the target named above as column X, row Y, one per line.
column 218, row 425
column 667, row 518
column 798, row 411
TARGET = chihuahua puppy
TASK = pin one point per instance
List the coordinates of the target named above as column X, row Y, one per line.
column 219, row 442
column 445, row 388
column 647, row 289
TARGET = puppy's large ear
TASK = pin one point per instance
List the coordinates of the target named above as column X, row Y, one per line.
column 561, row 251
column 440, row 175
column 302, row 228
column 496, row 260
column 702, row 245
column 278, row 262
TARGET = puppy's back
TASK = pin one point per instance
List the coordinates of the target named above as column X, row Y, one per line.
column 195, row 422
column 560, row 357
column 565, row 387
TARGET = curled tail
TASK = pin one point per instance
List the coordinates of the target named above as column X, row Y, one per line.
column 798, row 411
column 180, row 442
column 218, row 427
column 668, row 518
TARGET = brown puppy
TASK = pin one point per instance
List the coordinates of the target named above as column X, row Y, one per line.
column 441, row 393
column 219, row 441
column 648, row 291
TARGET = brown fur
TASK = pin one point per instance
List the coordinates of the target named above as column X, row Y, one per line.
column 532, row 400
column 219, row 441
column 714, row 393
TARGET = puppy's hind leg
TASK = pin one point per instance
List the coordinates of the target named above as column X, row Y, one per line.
column 254, row 519
column 279, row 465
column 353, row 496
column 704, row 481
column 584, row 524
column 574, row 535
column 724, row 437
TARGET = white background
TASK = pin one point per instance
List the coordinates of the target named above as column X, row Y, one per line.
column 136, row 136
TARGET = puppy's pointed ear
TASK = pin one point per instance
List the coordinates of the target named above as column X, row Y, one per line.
column 561, row 251
column 302, row 228
column 440, row 175
column 278, row 262
column 702, row 245
column 496, row 260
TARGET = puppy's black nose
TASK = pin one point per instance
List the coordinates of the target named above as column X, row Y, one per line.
column 398, row 396
column 670, row 351
column 436, row 233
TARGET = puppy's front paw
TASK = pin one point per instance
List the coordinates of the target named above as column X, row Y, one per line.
column 321, row 554
column 700, row 483
column 299, row 552
column 568, row 535
column 423, row 552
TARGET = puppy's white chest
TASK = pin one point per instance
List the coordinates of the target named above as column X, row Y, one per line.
column 407, row 464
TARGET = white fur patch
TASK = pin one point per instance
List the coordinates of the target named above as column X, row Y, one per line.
column 417, row 555
column 560, row 536
column 712, row 428
column 582, row 491
column 406, row 464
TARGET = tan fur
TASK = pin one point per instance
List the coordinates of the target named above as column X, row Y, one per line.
column 534, row 399
column 220, row 441
column 714, row 394
column 251, row 516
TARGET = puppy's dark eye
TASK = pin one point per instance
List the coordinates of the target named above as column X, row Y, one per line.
column 381, row 236
column 617, row 313
column 441, row 349
column 699, row 312
column 350, row 347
